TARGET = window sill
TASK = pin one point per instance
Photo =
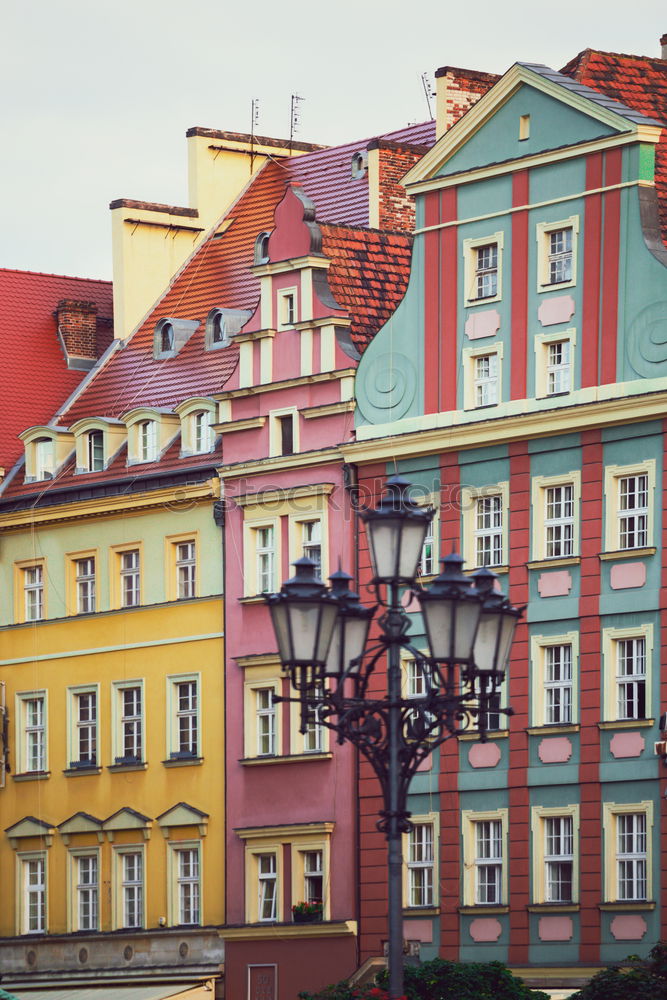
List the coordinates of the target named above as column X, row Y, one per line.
column 293, row 758
column 479, row 908
column 494, row 569
column 76, row 772
column 649, row 550
column 483, row 300
column 254, row 599
column 421, row 911
column 556, row 286
column 553, row 908
column 31, row 776
column 183, row 761
column 625, row 906
column 627, row 724
column 494, row 734
column 554, row 728
column 138, row 766
column 553, row 563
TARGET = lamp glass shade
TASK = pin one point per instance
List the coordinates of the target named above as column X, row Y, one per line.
column 494, row 639
column 278, row 611
column 303, row 629
column 347, row 643
column 451, row 626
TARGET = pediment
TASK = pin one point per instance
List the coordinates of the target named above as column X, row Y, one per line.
column 29, row 826
column 80, row 822
column 127, row 819
column 559, row 112
column 182, row 814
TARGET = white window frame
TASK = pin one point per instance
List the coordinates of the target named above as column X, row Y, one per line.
column 95, row 450
column 267, row 875
column 543, row 231
column 76, row 724
column 275, row 431
column 175, row 713
column 125, row 725
column 469, row 358
column 470, row 270
column 130, row 577
column 421, row 873
column 44, row 458
column 85, row 583
column 27, row 889
column 27, row 729
column 611, row 811
column 147, row 438
column 540, row 487
column 472, row 863
column 84, row 892
column 124, row 887
column 33, row 592
column 252, row 552
column 252, row 716
column 316, row 738
column 203, row 436
column 429, row 560
column 185, row 565
column 179, row 882
column 265, row 721
column 471, row 532
column 542, row 343
column 540, row 685
column 285, row 319
column 540, row 815
column 611, row 637
column 613, row 474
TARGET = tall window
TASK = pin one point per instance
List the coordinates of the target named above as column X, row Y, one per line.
column 558, row 858
column 266, row 722
column 186, row 569
column 287, row 309
column 132, row 888
column 33, row 591
column 488, row 861
column 633, row 511
column 313, row 877
column 313, row 738
column 286, row 434
column 131, row 725
column 265, row 555
column 486, row 379
column 558, row 684
column 631, row 856
column 267, row 877
column 559, row 367
column 147, row 432
column 202, row 431
column 631, row 678
column 130, row 579
column 188, row 885
column 186, row 719
column 87, row 892
column 85, row 585
column 486, row 271
column 312, row 543
column 421, row 865
column 45, row 458
column 427, row 560
column 85, row 729
column 95, row 451
column 488, row 531
column 34, row 733
column 560, row 255
column 559, row 521
column 33, row 902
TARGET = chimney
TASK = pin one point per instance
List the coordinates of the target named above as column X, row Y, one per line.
column 77, row 325
column 663, row 43
column 456, row 90
column 390, row 206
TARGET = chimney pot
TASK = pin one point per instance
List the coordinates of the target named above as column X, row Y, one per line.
column 663, row 43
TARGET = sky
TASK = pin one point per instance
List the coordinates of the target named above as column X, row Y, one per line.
column 98, row 94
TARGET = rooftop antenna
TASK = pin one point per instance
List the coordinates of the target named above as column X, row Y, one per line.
column 428, row 93
column 254, row 121
column 295, row 118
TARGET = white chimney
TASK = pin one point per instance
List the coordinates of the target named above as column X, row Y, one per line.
column 663, row 42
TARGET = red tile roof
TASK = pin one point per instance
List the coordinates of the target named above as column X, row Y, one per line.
column 36, row 380
column 641, row 83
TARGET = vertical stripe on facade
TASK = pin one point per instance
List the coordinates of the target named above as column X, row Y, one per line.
column 518, row 263
column 448, row 320
column 432, row 303
column 592, row 261
column 610, row 263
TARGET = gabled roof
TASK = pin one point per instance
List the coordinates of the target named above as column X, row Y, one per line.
column 640, row 82
column 36, row 380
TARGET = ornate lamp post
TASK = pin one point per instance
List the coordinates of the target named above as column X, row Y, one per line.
column 324, row 645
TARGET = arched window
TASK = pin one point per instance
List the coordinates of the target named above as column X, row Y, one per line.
column 262, row 248
column 147, row 431
column 202, row 432
column 95, row 451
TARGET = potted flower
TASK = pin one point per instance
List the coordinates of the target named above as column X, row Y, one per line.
column 307, row 913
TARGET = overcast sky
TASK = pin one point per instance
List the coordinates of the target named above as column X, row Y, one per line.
column 98, row 94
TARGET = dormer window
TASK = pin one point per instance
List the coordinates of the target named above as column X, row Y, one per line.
column 167, row 336
column 95, row 451
column 222, row 325
column 203, row 437
column 44, row 458
column 359, row 164
column 171, row 335
column 147, row 431
column 262, row 249
column 219, row 333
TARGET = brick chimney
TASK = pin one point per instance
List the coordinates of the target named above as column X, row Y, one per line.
column 390, row 206
column 77, row 325
column 456, row 90
column 663, row 43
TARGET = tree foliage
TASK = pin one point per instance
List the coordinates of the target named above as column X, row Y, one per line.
column 633, row 980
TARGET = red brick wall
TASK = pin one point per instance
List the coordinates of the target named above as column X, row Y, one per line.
column 77, row 322
column 460, row 89
column 397, row 207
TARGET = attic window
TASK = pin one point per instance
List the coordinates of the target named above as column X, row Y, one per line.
column 262, row 249
column 44, row 458
column 216, row 328
column 359, row 164
column 524, row 127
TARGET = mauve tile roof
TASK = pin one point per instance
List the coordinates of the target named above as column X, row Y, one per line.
column 639, row 82
column 36, row 378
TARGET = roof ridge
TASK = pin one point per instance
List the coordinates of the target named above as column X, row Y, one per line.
column 49, row 274
column 365, row 229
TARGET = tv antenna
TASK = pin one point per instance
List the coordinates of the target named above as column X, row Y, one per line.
column 254, row 121
column 428, row 93
column 295, row 118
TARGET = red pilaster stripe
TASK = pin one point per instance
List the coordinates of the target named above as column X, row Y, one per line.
column 663, row 691
column 450, row 822
column 449, row 355
column 519, row 805
column 591, row 274
column 518, row 266
column 589, row 686
column 613, row 163
column 431, row 302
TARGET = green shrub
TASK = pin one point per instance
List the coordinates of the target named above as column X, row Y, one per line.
column 635, row 980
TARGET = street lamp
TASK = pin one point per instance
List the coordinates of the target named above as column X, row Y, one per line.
column 323, row 641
